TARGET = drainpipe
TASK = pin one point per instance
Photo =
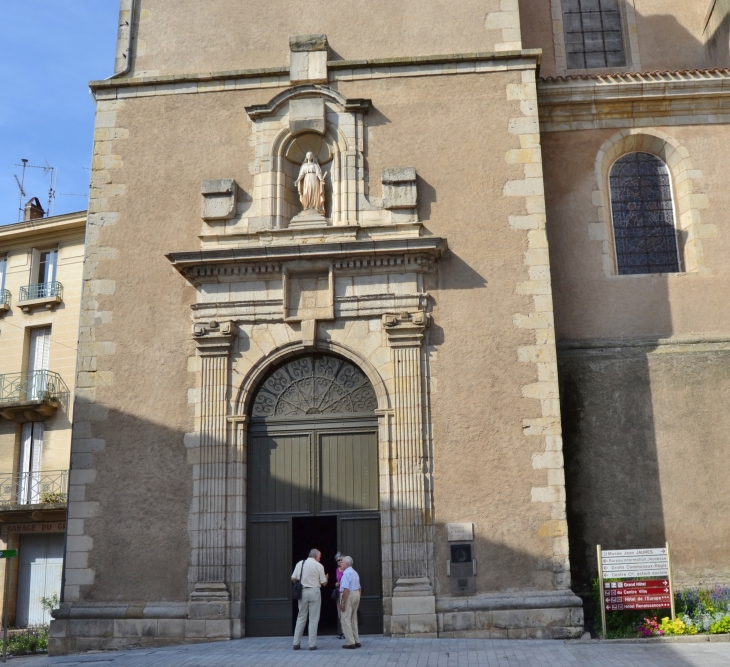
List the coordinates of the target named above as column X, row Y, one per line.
column 127, row 54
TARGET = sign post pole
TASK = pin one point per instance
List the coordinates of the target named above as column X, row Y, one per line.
column 5, row 610
column 6, row 554
column 671, row 581
column 603, row 593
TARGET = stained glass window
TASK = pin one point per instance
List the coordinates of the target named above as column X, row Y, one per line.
column 593, row 36
column 643, row 215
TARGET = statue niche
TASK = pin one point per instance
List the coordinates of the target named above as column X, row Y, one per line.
column 308, row 164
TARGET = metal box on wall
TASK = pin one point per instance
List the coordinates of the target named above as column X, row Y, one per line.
column 461, row 566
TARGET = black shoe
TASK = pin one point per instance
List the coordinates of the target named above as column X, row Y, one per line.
column 296, row 647
column 340, row 636
column 312, row 648
column 350, row 646
column 358, row 645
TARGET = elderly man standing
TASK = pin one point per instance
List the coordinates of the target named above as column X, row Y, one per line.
column 311, row 573
column 350, row 601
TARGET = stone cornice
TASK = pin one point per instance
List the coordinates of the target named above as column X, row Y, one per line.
column 415, row 254
column 634, row 99
column 56, row 224
column 528, row 57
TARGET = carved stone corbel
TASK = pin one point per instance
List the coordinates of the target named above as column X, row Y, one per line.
column 406, row 329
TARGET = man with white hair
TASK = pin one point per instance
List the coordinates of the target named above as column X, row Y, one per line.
column 350, row 601
column 311, row 573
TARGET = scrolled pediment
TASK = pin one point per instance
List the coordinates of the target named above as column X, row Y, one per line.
column 260, row 111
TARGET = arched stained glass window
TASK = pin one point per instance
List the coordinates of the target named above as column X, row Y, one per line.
column 643, row 215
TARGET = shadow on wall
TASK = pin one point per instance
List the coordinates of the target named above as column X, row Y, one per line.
column 613, row 484
column 609, row 420
column 143, row 485
column 717, row 34
column 664, row 43
column 141, row 539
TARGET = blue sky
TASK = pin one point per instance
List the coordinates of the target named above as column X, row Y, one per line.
column 49, row 50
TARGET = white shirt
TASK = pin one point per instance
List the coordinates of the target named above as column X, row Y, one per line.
column 310, row 573
column 350, row 580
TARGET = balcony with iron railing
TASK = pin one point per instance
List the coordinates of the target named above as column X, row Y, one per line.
column 19, row 490
column 48, row 295
column 32, row 396
column 4, row 301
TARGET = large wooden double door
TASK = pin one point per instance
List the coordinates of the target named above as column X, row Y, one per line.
column 312, row 483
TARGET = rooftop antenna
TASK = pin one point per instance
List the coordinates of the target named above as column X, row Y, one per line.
column 51, row 205
column 51, row 188
column 21, row 182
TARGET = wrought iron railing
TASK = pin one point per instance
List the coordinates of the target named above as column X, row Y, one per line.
column 34, row 488
column 40, row 291
column 31, row 386
column 4, row 297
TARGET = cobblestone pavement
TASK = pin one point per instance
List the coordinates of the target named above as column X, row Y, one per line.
column 384, row 651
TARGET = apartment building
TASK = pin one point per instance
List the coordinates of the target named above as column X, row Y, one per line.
column 41, row 263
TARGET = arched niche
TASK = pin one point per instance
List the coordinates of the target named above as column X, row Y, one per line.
column 321, row 118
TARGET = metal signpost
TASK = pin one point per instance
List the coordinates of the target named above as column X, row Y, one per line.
column 7, row 554
column 652, row 588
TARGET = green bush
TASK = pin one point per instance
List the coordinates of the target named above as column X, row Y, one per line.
column 619, row 624
column 721, row 627
column 33, row 640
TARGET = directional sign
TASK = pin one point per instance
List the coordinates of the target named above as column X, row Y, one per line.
column 631, row 560
column 627, row 553
column 638, row 606
column 628, row 588
column 634, row 563
column 9, row 553
column 651, row 587
column 647, row 583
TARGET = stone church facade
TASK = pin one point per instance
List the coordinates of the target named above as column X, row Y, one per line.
column 356, row 278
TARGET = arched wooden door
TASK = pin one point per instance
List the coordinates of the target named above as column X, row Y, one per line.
column 312, row 483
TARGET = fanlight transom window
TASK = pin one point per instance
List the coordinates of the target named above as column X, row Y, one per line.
column 643, row 215
column 315, row 385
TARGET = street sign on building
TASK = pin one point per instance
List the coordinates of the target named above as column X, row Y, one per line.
column 650, row 585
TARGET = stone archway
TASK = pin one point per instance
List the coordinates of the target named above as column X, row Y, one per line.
column 312, row 458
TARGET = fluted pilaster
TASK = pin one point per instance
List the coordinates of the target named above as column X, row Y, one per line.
column 410, row 520
column 214, row 343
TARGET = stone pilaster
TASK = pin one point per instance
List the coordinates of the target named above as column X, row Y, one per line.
column 413, row 603
column 210, row 598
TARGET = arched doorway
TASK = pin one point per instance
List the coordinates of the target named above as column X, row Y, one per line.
column 312, row 483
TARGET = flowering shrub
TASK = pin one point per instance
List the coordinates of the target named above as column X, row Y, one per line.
column 721, row 627
column 676, row 627
column 650, row 628
column 704, row 609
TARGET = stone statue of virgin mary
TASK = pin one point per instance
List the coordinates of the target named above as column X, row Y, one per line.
column 310, row 184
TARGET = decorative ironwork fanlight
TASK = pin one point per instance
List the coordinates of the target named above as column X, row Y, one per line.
column 315, row 385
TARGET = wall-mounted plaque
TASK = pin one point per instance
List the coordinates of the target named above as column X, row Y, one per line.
column 460, row 532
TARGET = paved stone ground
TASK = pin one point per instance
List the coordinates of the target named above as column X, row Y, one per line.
column 386, row 652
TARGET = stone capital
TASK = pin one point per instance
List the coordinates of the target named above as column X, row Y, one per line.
column 214, row 338
column 406, row 329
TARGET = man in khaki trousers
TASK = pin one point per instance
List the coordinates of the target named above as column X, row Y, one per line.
column 349, row 602
column 311, row 573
